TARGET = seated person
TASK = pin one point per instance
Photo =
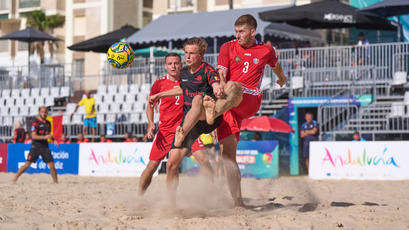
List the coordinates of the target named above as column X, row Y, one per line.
column 103, row 139
column 81, row 139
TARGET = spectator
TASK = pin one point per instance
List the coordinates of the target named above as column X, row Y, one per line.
column 362, row 40
column 357, row 137
column 64, row 140
column 18, row 133
column 128, row 137
column 309, row 131
column 257, row 136
column 27, row 139
column 81, row 139
column 136, row 139
column 103, row 139
column 90, row 114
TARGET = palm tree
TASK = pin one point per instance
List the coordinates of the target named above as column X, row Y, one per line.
column 38, row 20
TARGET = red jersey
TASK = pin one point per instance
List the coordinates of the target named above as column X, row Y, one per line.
column 246, row 66
column 170, row 108
column 85, row 140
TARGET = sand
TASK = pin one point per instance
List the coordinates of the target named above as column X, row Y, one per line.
column 284, row 203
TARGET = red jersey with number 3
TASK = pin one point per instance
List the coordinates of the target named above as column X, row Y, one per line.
column 170, row 108
column 246, row 65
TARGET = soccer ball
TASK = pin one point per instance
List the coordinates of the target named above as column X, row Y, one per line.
column 120, row 55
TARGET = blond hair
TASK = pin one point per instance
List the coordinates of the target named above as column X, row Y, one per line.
column 200, row 42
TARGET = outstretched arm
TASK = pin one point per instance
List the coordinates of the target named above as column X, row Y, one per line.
column 168, row 93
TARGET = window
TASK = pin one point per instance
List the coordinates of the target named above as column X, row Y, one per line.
column 29, row 3
column 4, row 5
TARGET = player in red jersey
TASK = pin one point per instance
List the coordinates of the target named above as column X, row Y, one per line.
column 240, row 64
column 171, row 114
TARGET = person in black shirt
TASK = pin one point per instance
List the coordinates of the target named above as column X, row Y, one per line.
column 199, row 82
column 40, row 133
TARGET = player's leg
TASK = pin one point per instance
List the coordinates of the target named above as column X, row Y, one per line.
column 205, row 167
column 228, row 147
column 195, row 114
column 21, row 170
column 234, row 96
column 53, row 171
column 84, row 127
column 146, row 176
column 172, row 172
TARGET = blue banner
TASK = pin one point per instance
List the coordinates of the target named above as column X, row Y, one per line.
column 65, row 159
column 257, row 159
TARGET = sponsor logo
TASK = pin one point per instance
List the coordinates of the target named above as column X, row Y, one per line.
column 247, row 54
column 237, row 59
column 339, row 17
column 246, row 159
column 184, row 80
column 267, row 157
column 198, row 78
column 256, row 61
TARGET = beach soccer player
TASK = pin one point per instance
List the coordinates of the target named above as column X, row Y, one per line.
column 40, row 134
column 240, row 66
column 170, row 116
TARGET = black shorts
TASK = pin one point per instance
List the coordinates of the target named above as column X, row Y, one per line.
column 36, row 152
column 200, row 128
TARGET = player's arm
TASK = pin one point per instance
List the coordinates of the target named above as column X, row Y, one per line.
column 223, row 63
column 279, row 72
column 151, row 126
column 177, row 91
column 215, row 81
column 302, row 133
column 222, row 74
column 36, row 137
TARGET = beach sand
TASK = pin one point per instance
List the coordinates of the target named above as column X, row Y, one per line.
column 284, row 203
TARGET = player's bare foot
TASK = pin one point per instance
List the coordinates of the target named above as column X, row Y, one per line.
column 179, row 136
column 209, row 105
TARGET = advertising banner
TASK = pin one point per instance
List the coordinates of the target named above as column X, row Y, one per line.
column 257, row 159
column 383, row 160
column 3, row 157
column 113, row 159
column 65, row 159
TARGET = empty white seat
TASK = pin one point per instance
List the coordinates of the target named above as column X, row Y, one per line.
column 31, row 101
column 127, row 108
column 123, row 88
column 65, row 91
column 49, row 101
column 115, row 108
column 55, row 91
column 406, row 98
column 24, row 110
column 45, row 92
column 3, row 101
column 35, row 92
column 81, row 110
column 99, row 98
column 134, row 88
column 109, row 98
column 25, row 93
column 66, row 119
column 70, row 108
column 131, row 97
column 297, row 82
column 20, row 101
column 145, row 87
column 112, row 89
column 40, row 100
column 103, row 108
column 15, row 93
column 33, row 110
column 102, row 89
column 14, row 111
column 143, row 96
column 6, row 93
column 77, row 119
column 138, row 107
column 399, row 78
column 134, row 118
column 4, row 111
column 120, row 97
column 143, row 119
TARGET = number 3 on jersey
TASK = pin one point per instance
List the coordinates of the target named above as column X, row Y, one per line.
column 246, row 67
column 177, row 100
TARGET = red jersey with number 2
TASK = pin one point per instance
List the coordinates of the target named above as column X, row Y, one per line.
column 170, row 108
column 246, row 65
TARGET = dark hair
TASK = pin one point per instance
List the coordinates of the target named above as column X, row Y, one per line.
column 39, row 109
column 361, row 34
column 356, row 132
column 200, row 42
column 246, row 19
column 309, row 113
column 173, row 55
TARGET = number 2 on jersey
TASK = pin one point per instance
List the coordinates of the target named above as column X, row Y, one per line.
column 246, row 67
column 177, row 100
